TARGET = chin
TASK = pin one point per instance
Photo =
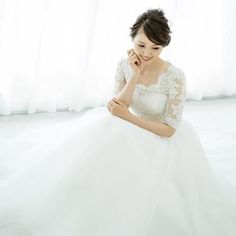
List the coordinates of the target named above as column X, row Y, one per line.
column 146, row 61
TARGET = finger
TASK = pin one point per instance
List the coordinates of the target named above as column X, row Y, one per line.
column 109, row 102
column 129, row 51
column 135, row 54
column 133, row 57
column 137, row 57
column 113, row 103
column 134, row 61
column 116, row 100
column 113, row 99
column 137, row 61
column 122, row 104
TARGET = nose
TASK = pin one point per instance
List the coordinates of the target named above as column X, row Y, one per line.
column 146, row 54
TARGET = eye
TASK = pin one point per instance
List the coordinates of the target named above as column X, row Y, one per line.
column 141, row 46
column 156, row 48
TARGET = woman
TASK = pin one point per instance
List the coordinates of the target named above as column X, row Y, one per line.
column 150, row 34
column 133, row 168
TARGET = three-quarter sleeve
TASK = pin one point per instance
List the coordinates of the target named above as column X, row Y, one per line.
column 119, row 81
column 176, row 99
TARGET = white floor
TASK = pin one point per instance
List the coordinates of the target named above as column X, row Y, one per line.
column 214, row 121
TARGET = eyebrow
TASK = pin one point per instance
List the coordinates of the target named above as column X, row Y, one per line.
column 152, row 44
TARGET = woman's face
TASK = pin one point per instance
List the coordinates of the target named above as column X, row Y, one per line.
column 147, row 51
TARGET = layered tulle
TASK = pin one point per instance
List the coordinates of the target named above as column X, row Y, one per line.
column 103, row 176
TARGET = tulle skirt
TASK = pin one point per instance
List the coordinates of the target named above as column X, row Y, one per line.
column 100, row 175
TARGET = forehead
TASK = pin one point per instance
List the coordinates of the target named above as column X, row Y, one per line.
column 142, row 38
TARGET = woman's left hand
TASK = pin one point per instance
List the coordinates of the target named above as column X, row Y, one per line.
column 118, row 108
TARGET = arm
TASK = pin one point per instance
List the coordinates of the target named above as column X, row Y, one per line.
column 172, row 115
column 125, row 91
column 118, row 108
column 153, row 126
column 176, row 99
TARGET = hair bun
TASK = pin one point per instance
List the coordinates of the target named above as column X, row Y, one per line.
column 155, row 13
column 155, row 26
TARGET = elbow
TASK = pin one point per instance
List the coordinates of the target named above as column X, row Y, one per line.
column 171, row 134
column 170, row 131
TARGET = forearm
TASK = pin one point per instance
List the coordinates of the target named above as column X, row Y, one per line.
column 155, row 127
column 126, row 94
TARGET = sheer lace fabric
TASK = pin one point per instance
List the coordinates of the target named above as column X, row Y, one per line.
column 162, row 101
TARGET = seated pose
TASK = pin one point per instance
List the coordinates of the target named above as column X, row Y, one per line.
column 134, row 167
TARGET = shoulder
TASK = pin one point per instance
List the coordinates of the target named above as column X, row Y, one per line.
column 123, row 66
column 175, row 79
column 176, row 73
column 123, row 62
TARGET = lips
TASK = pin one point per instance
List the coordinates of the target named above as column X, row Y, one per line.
column 146, row 59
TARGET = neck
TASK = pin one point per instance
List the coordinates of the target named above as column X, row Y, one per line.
column 154, row 65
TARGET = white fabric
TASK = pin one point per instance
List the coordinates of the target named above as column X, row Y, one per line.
column 170, row 89
column 61, row 54
column 104, row 176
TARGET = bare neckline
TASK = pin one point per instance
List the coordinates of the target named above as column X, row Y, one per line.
column 159, row 78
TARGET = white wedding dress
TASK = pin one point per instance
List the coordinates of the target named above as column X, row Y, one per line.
column 104, row 176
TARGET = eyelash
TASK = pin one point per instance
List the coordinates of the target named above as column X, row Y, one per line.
column 141, row 46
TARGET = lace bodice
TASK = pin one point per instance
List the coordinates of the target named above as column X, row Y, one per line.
column 163, row 101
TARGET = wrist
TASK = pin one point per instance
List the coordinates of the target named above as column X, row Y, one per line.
column 134, row 78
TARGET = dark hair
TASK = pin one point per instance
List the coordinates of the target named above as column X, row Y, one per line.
column 155, row 26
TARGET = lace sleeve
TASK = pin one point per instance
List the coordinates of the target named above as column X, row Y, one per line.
column 119, row 81
column 175, row 101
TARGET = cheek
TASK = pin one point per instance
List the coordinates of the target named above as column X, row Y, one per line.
column 137, row 50
column 156, row 54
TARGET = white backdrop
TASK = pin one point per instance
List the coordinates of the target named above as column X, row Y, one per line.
column 62, row 54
